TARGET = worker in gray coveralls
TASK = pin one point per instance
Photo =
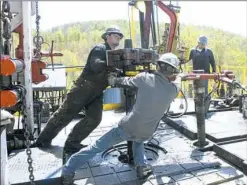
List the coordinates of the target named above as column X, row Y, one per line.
column 155, row 92
column 87, row 93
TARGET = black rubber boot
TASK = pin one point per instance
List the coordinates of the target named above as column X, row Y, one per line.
column 41, row 144
column 67, row 179
column 72, row 147
column 70, row 150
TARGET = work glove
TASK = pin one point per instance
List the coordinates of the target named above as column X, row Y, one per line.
column 112, row 69
column 112, row 79
column 182, row 75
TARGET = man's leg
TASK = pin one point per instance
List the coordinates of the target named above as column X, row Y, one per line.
column 80, row 158
column 93, row 116
column 61, row 118
column 139, row 153
column 142, row 169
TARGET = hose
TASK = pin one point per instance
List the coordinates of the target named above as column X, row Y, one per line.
column 177, row 115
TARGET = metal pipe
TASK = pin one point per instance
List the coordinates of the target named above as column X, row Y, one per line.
column 132, row 25
column 147, row 23
column 141, row 17
column 200, row 113
column 27, row 47
column 221, row 77
column 1, row 31
column 129, row 102
column 153, row 25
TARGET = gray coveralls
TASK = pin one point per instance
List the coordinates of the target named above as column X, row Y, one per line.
column 87, row 92
column 154, row 95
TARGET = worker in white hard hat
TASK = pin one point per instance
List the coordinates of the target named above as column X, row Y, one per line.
column 155, row 92
column 87, row 93
column 202, row 57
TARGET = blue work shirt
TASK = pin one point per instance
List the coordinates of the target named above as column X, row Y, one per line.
column 202, row 60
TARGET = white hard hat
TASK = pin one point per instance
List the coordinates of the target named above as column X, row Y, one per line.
column 171, row 59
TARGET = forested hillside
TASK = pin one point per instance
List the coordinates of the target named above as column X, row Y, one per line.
column 75, row 41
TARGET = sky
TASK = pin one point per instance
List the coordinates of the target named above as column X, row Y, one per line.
column 227, row 15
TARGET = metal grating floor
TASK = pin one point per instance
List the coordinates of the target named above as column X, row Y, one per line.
column 182, row 165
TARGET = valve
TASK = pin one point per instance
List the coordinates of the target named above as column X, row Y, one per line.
column 51, row 54
column 10, row 66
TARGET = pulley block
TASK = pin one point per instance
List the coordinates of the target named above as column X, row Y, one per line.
column 37, row 75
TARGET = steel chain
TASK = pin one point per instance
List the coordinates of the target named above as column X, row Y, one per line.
column 38, row 40
column 24, row 120
column 28, row 142
column 6, row 17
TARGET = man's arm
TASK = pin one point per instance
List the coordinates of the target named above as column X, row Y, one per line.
column 126, row 82
column 190, row 57
column 212, row 61
column 191, row 54
column 98, row 59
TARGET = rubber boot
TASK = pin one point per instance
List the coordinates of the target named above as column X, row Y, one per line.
column 143, row 171
column 67, row 179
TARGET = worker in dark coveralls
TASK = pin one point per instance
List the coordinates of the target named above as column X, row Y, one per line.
column 202, row 58
column 155, row 92
column 87, row 92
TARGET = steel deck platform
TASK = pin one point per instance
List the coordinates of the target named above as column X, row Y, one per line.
column 47, row 166
column 191, row 107
column 183, row 164
column 220, row 126
column 235, row 153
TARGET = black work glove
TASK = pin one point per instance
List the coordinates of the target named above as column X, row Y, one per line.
column 115, row 70
column 110, row 68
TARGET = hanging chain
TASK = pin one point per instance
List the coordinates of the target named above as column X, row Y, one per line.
column 38, row 40
column 24, row 116
column 6, row 17
column 27, row 137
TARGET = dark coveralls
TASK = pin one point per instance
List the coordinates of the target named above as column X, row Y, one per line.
column 201, row 61
column 87, row 92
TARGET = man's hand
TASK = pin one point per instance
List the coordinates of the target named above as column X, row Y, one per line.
column 182, row 75
column 112, row 79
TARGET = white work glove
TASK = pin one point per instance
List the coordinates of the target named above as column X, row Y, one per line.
column 112, row 79
column 178, row 80
column 182, row 75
